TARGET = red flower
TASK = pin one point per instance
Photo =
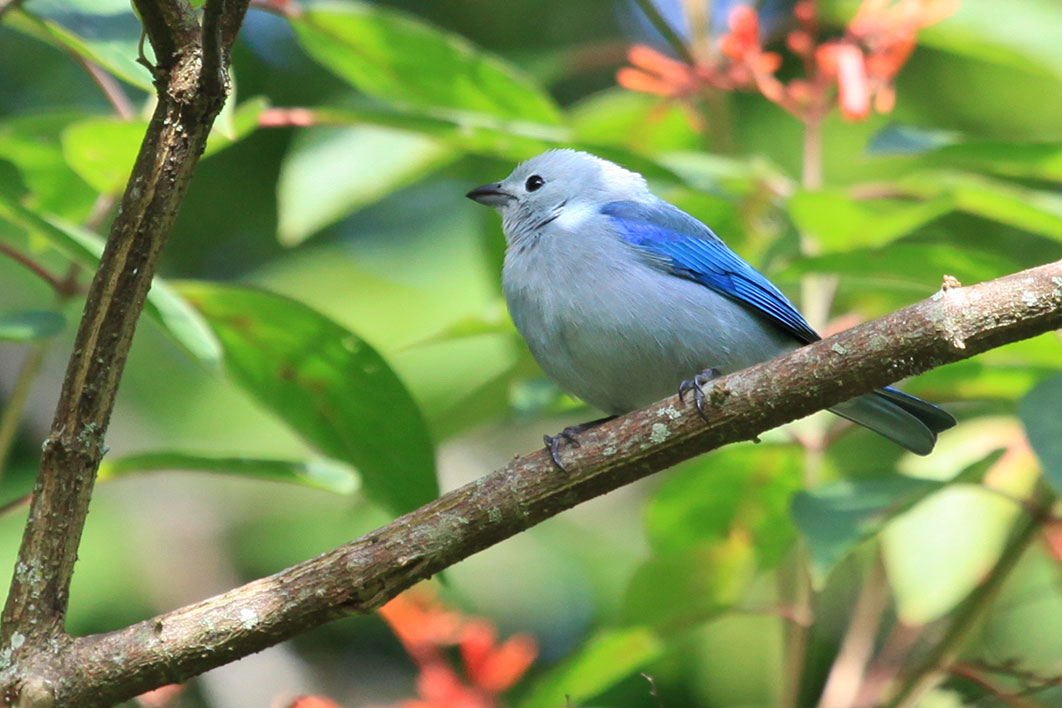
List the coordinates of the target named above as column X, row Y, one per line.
column 862, row 64
column 425, row 628
column 313, row 702
column 161, row 696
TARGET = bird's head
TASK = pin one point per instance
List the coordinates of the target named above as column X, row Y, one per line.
column 558, row 186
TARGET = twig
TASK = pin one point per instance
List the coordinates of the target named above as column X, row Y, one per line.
column 661, row 25
column 846, row 674
column 31, row 366
column 790, row 613
column 33, row 266
column 971, row 673
column 928, row 673
column 887, row 664
column 13, row 407
column 359, row 576
column 172, row 27
column 110, row 88
column 213, row 79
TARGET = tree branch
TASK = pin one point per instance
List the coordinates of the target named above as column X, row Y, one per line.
column 171, row 26
column 221, row 22
column 31, row 634
column 954, row 324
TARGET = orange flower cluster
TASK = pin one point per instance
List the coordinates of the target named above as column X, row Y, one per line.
column 427, row 629
column 879, row 41
column 861, row 64
column 161, row 697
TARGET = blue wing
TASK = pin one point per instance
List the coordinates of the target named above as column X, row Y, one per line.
column 687, row 248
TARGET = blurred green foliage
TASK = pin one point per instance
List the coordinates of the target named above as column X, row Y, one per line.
column 341, row 315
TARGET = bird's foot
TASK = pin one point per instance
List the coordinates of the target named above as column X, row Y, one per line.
column 696, row 384
column 553, row 442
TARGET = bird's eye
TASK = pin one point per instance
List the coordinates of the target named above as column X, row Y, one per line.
column 533, row 182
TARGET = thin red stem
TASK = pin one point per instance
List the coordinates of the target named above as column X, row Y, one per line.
column 57, row 284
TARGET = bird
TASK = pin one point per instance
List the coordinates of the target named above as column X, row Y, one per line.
column 624, row 299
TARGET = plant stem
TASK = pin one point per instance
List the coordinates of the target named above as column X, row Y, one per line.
column 811, row 171
column 929, row 672
column 31, row 366
column 110, row 88
column 33, row 266
column 661, row 25
column 849, row 667
column 796, row 641
column 816, row 296
column 12, row 414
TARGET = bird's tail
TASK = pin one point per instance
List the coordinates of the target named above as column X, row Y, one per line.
column 906, row 420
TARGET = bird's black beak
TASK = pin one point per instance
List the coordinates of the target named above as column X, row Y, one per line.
column 490, row 194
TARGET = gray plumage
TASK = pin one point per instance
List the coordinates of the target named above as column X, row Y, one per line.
column 622, row 296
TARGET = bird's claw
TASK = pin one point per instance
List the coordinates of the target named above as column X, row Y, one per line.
column 553, row 442
column 696, row 384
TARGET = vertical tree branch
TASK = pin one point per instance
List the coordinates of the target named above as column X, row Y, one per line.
column 32, row 620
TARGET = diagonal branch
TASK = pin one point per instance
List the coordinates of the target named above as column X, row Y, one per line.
column 954, row 324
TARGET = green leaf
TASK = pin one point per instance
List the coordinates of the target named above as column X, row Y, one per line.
column 103, row 31
column 494, row 320
column 329, row 475
column 480, row 133
column 896, row 139
column 330, row 172
column 30, row 325
column 84, row 247
column 919, row 265
column 32, row 144
column 395, row 57
column 1039, row 413
column 747, row 487
column 1011, row 159
column 604, row 659
column 1025, row 40
column 835, row 518
column 839, row 222
column 634, row 120
column 712, row 525
column 691, row 586
column 1003, row 374
column 1034, row 210
column 327, row 384
column 939, row 551
column 945, row 149
column 242, row 120
column 102, row 150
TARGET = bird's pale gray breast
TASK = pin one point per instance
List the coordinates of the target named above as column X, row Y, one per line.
column 618, row 332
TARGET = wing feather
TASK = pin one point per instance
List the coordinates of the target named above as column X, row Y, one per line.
column 683, row 246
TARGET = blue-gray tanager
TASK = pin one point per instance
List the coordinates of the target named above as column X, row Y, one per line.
column 624, row 299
